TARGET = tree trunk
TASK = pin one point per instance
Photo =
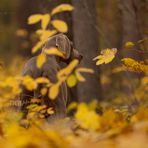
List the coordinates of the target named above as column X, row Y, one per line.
column 86, row 41
column 133, row 12
column 141, row 7
column 131, row 32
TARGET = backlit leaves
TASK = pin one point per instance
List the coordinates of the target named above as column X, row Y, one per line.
column 34, row 18
column 54, row 91
column 37, row 46
column 78, row 74
column 54, row 51
column 87, row 118
column 29, row 83
column 50, row 111
column 44, row 18
column 62, row 75
column 45, row 21
column 107, row 55
column 41, row 80
column 72, row 106
column 129, row 44
column 117, row 126
column 61, row 26
column 61, row 8
column 44, row 91
column 10, row 84
column 41, row 59
column 71, row 80
column 135, row 66
column 44, row 35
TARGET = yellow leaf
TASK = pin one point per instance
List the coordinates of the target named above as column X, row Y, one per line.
column 32, row 106
column 129, row 44
column 61, row 26
column 29, row 83
column 44, row 91
column 87, row 70
column 45, row 21
column 41, row 60
column 144, row 80
column 53, row 91
column 54, row 51
column 42, row 80
column 34, row 18
column 46, row 34
column 99, row 62
column 35, row 100
column 72, row 106
column 61, row 8
column 50, row 111
column 37, row 46
column 39, row 108
column 71, row 80
column 88, row 119
column 141, row 115
column 107, row 55
column 79, row 76
column 39, row 31
column 135, row 66
column 41, row 116
column 66, row 71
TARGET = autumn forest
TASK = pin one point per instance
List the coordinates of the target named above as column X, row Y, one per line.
column 73, row 73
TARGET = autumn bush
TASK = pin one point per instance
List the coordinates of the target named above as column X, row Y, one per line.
column 119, row 123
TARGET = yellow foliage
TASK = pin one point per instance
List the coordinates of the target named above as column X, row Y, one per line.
column 53, row 51
column 141, row 115
column 37, row 46
column 44, row 35
column 63, row 73
column 29, row 83
column 107, row 55
column 72, row 105
column 50, row 111
column 44, row 91
column 41, row 60
column 9, row 88
column 71, row 80
column 42, row 80
column 61, row 26
column 135, row 66
column 78, row 73
column 129, row 45
column 79, row 76
column 54, row 91
column 45, row 21
column 87, row 119
column 34, row 18
column 144, row 81
column 61, row 8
